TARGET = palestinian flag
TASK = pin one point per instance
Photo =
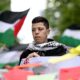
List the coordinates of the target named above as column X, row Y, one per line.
column 71, row 36
column 9, row 58
column 10, row 25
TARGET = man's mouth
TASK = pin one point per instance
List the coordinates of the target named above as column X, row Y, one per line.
column 37, row 37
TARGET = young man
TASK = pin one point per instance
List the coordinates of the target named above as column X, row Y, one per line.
column 41, row 45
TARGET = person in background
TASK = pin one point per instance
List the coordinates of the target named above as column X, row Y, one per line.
column 42, row 46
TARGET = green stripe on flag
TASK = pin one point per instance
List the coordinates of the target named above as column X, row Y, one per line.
column 69, row 41
column 8, row 38
column 11, row 64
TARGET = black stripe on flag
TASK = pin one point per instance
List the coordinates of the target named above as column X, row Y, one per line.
column 11, row 17
column 74, row 27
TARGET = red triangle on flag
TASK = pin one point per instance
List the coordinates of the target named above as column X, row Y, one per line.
column 18, row 26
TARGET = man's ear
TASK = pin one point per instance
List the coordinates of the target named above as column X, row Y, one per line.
column 48, row 30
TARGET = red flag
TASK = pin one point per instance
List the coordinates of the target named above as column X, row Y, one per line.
column 70, row 74
column 17, row 74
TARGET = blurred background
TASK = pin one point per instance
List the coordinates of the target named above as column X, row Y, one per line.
column 63, row 16
column 60, row 13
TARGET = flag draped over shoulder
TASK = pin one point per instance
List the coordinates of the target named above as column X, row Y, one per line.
column 71, row 36
column 10, row 25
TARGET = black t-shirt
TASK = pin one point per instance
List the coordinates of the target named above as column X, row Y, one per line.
column 59, row 50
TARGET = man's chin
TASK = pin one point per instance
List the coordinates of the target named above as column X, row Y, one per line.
column 38, row 42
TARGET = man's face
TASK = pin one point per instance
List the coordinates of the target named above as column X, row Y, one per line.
column 39, row 32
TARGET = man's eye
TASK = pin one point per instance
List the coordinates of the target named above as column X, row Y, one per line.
column 33, row 30
column 40, row 29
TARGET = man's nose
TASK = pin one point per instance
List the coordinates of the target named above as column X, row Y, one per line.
column 37, row 31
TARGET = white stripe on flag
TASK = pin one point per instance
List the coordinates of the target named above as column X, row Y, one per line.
column 72, row 33
column 5, row 26
column 9, row 57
